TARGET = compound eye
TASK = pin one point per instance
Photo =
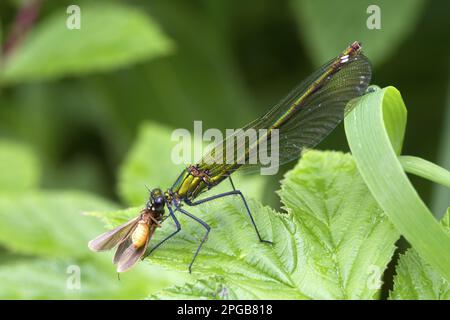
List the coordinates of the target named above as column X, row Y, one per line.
column 159, row 201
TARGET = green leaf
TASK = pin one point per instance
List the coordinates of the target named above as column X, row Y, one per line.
column 212, row 288
column 20, row 169
column 328, row 26
column 344, row 223
column 375, row 131
column 325, row 247
column 111, row 36
column 48, row 234
column 149, row 163
column 56, row 279
column 417, row 279
column 49, row 223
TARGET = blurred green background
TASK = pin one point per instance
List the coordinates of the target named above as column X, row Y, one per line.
column 72, row 101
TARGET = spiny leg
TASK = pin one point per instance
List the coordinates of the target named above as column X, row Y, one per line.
column 178, row 226
column 205, row 225
column 229, row 193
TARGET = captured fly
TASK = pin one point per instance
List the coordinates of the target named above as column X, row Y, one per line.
column 132, row 237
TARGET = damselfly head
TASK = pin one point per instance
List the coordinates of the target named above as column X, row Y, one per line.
column 156, row 201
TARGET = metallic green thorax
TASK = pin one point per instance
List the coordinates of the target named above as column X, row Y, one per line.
column 192, row 181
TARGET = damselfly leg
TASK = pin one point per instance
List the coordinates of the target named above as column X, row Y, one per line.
column 230, row 193
column 178, row 228
column 205, row 225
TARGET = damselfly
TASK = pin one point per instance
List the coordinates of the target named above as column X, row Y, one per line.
column 302, row 119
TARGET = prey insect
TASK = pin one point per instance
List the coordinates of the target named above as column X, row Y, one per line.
column 132, row 237
column 303, row 119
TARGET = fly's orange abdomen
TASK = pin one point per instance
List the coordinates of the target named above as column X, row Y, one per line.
column 140, row 234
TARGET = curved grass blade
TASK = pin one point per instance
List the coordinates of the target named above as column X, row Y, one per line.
column 375, row 132
column 425, row 169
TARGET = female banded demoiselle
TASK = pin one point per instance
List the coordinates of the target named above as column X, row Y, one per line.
column 301, row 120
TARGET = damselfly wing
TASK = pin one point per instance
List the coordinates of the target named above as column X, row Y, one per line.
column 303, row 118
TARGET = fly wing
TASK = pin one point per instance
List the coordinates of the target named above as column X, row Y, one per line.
column 129, row 254
column 110, row 239
column 304, row 117
column 121, row 248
